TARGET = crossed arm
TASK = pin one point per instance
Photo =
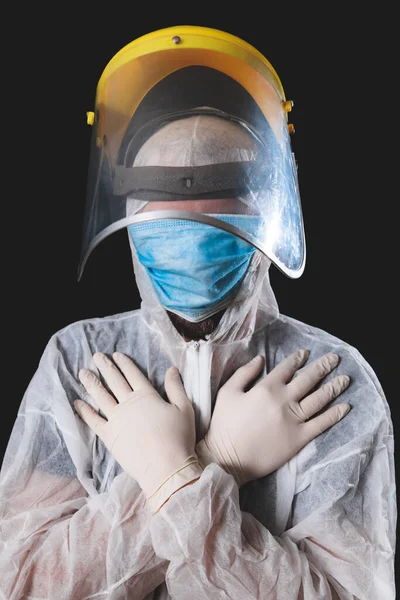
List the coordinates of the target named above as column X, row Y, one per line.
column 61, row 543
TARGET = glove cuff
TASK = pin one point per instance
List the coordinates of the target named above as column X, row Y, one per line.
column 188, row 473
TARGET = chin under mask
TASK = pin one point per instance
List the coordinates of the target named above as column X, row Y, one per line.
column 195, row 268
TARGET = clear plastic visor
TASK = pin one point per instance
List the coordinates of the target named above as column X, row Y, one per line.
column 198, row 147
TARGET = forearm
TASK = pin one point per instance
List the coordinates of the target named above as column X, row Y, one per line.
column 213, row 546
column 80, row 546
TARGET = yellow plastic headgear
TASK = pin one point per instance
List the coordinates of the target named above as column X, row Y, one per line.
column 141, row 64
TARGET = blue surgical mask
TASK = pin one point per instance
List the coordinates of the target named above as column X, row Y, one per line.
column 195, row 268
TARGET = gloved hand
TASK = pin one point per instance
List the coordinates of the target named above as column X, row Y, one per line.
column 150, row 438
column 254, row 432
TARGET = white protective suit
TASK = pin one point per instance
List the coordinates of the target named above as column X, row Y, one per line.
column 75, row 526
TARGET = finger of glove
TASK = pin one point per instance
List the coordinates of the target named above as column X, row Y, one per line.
column 244, row 375
column 321, row 423
column 133, row 374
column 311, row 375
column 284, row 371
column 313, row 403
column 90, row 417
column 175, row 389
column 98, row 392
column 112, row 375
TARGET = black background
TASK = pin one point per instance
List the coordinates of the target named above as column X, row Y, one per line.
column 337, row 66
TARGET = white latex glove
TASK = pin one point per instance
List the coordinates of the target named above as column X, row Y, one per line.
column 150, row 438
column 254, row 432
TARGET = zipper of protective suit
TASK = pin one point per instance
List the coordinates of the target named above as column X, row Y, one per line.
column 197, row 381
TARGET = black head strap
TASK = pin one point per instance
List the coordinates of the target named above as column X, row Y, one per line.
column 181, row 183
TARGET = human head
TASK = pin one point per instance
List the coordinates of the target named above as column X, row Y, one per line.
column 196, row 141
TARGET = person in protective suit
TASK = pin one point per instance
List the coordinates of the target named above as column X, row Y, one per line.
column 200, row 446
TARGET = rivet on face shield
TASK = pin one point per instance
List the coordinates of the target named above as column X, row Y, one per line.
column 176, row 39
column 288, row 105
column 188, row 183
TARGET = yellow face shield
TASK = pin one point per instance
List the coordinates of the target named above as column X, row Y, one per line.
column 191, row 123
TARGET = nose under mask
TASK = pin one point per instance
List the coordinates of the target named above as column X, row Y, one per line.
column 196, row 269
